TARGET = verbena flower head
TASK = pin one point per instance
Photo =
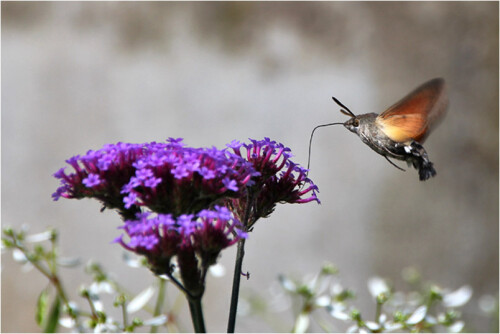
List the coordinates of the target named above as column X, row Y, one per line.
column 100, row 174
column 195, row 239
column 280, row 180
column 164, row 177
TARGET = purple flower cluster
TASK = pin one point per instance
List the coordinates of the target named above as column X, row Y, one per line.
column 197, row 240
column 280, row 181
column 186, row 180
column 164, row 177
column 101, row 174
column 185, row 202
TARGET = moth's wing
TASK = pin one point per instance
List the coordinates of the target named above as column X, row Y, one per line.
column 416, row 114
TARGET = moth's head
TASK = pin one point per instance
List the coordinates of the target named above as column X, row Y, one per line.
column 353, row 124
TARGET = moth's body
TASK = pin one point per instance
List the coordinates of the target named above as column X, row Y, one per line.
column 370, row 134
column 399, row 131
column 411, row 151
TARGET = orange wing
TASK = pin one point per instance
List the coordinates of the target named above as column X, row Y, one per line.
column 416, row 114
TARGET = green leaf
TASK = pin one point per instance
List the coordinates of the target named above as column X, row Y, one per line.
column 7, row 243
column 53, row 318
column 8, row 231
column 41, row 307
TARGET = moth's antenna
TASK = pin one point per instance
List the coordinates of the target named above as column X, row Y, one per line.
column 346, row 111
column 310, row 141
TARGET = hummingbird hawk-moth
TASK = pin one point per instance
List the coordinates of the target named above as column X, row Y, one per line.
column 400, row 131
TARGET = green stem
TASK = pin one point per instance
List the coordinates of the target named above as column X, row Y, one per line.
column 378, row 312
column 179, row 285
column 197, row 315
column 92, row 306
column 159, row 302
column 124, row 315
column 50, row 274
column 238, row 265
column 236, row 286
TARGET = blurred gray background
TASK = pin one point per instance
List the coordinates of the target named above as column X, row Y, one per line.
column 78, row 75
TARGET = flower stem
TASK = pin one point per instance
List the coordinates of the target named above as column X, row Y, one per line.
column 159, row 301
column 197, row 315
column 236, row 285
column 124, row 315
column 378, row 312
column 238, row 265
column 50, row 273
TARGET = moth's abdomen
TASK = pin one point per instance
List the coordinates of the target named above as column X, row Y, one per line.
column 426, row 170
column 416, row 155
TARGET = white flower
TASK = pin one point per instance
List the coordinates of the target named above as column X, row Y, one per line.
column 458, row 297
column 140, row 300
column 377, row 286
column 417, row 316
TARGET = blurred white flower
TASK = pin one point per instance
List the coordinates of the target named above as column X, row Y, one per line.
column 372, row 326
column 39, row 237
column 337, row 310
column 19, row 256
column 287, row 284
column 217, row 270
column 322, row 301
column 101, row 287
column 336, row 289
column 107, row 327
column 99, row 307
column 458, row 297
column 67, row 322
column 417, row 316
column 456, row 327
column 156, row 321
column 301, row 323
column 391, row 326
column 140, row 300
column 353, row 329
column 377, row 286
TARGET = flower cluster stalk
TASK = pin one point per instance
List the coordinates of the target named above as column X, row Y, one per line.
column 196, row 310
column 236, row 286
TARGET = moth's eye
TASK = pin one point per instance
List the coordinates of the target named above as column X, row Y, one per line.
column 355, row 122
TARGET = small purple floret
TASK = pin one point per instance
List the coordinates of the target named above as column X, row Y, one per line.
column 230, row 184
column 91, row 180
